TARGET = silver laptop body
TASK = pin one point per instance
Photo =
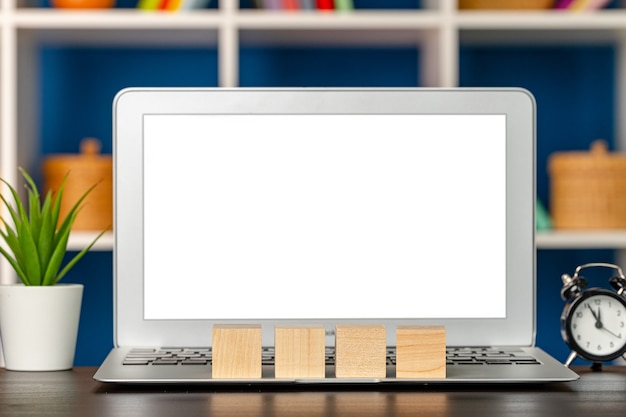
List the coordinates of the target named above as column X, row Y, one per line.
column 325, row 206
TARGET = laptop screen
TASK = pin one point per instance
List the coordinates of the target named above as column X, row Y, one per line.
column 391, row 206
column 315, row 216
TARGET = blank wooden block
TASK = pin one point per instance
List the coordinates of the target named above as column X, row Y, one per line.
column 360, row 351
column 300, row 351
column 237, row 351
column 421, row 352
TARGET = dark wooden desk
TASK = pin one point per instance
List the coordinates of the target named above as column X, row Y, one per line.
column 74, row 393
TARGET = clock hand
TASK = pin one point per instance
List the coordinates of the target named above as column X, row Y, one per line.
column 599, row 324
column 595, row 316
column 618, row 336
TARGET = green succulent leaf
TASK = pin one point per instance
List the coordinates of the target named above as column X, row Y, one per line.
column 45, row 243
column 34, row 205
column 32, row 265
column 78, row 256
column 56, row 207
column 54, row 264
column 20, row 272
column 13, row 213
column 19, row 214
column 71, row 215
column 36, row 242
column 13, row 242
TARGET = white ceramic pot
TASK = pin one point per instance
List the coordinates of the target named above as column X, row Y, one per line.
column 39, row 326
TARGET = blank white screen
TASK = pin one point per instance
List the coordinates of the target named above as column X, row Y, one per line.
column 324, row 216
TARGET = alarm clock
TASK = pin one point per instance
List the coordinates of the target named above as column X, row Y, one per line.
column 593, row 323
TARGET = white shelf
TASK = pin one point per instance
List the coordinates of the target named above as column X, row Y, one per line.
column 126, row 27
column 548, row 20
column 114, row 19
column 80, row 240
column 358, row 19
column 613, row 239
column 307, row 27
column 605, row 239
column 36, row 18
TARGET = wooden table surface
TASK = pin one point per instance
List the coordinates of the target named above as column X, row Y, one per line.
column 75, row 393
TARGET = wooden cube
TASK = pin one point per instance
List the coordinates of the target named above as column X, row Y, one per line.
column 300, row 351
column 237, row 351
column 360, row 351
column 421, row 352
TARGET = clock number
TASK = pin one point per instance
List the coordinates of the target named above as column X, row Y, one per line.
column 599, row 348
column 597, row 302
column 579, row 314
column 611, row 344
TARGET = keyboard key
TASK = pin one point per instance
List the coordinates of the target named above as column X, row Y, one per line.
column 165, row 362
column 498, row 362
column 135, row 362
column 194, row 362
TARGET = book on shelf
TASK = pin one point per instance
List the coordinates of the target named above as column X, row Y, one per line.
column 325, row 4
column 339, row 5
column 172, row 5
column 291, row 4
column 344, row 5
column 270, row 4
column 581, row 5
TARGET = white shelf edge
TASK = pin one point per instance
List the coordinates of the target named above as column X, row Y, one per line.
column 604, row 239
column 546, row 20
column 610, row 239
column 80, row 240
column 114, row 19
column 553, row 20
column 360, row 19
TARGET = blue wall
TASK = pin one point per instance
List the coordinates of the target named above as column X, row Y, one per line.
column 574, row 87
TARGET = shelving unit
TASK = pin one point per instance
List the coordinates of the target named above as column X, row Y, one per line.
column 438, row 29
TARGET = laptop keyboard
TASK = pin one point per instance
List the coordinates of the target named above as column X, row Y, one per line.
column 488, row 356
column 202, row 356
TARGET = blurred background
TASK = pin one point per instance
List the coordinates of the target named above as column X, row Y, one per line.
column 61, row 69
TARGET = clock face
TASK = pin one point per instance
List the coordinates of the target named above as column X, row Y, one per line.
column 596, row 325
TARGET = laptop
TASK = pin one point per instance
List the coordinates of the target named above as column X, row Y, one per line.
column 325, row 206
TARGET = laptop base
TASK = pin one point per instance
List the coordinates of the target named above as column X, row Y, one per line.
column 546, row 370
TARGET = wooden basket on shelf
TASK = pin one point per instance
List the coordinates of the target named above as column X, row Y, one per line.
column 84, row 169
column 505, row 5
column 588, row 189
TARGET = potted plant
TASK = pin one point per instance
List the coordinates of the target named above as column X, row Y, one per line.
column 39, row 317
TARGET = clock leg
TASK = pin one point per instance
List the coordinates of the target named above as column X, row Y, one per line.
column 596, row 366
column 570, row 358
